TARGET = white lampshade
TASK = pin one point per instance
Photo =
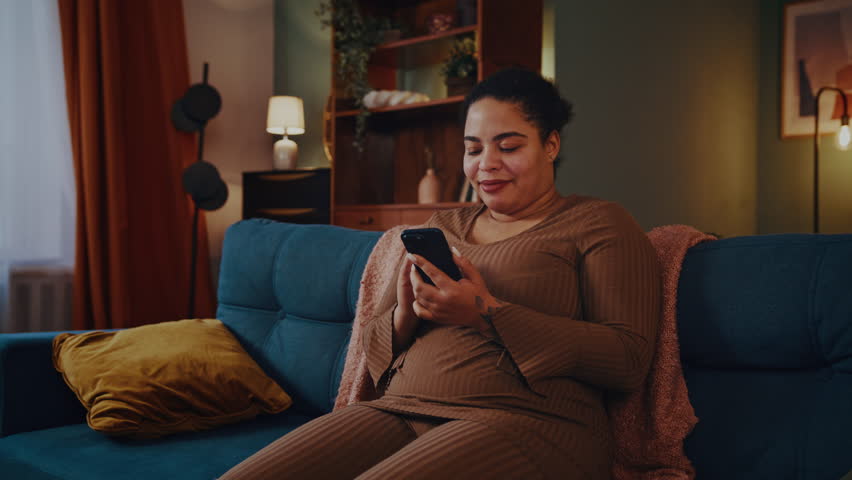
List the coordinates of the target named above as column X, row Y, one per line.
column 286, row 116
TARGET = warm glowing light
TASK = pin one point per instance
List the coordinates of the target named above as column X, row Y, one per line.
column 285, row 116
column 844, row 136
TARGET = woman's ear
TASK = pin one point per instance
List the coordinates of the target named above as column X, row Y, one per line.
column 551, row 146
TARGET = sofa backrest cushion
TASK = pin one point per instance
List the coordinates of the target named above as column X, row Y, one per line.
column 288, row 293
column 765, row 328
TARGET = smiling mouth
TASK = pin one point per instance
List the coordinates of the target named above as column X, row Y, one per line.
column 491, row 186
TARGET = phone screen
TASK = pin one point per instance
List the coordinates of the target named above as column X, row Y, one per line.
column 431, row 244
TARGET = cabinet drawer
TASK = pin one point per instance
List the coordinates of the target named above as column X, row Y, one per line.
column 294, row 215
column 416, row 216
column 296, row 196
column 383, row 217
column 367, row 218
column 287, row 188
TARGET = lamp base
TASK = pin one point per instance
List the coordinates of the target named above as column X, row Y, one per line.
column 285, row 154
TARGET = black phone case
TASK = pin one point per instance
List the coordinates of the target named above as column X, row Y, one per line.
column 431, row 244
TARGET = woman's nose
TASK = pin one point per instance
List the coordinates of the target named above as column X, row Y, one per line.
column 490, row 159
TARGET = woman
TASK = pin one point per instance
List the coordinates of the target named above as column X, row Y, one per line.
column 501, row 374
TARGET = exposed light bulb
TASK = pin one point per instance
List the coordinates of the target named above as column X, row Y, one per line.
column 844, row 136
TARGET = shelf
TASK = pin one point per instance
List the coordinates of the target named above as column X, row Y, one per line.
column 426, row 38
column 411, row 106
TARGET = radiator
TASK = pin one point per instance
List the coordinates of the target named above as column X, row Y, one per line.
column 39, row 298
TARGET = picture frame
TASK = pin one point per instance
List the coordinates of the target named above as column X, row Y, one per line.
column 816, row 52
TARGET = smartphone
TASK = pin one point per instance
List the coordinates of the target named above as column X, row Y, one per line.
column 431, row 244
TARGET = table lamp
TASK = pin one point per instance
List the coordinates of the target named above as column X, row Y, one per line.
column 285, row 117
column 843, row 139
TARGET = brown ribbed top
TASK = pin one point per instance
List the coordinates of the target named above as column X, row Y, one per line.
column 583, row 292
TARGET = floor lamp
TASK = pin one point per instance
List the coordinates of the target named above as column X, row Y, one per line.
column 843, row 138
column 201, row 180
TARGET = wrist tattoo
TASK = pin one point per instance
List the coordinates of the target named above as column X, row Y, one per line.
column 487, row 314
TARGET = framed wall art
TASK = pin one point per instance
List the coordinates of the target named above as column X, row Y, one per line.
column 816, row 52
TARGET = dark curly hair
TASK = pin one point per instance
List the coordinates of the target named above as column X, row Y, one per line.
column 537, row 97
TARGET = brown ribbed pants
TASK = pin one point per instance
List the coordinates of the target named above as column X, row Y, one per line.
column 367, row 443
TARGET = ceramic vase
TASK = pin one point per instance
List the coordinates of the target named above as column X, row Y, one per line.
column 285, row 154
column 429, row 189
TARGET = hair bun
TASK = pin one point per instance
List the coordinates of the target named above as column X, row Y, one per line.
column 538, row 98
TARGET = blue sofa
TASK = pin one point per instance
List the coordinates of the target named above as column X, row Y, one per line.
column 765, row 327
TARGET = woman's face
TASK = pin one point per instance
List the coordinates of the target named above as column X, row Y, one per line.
column 505, row 160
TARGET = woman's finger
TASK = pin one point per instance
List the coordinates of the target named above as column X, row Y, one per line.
column 419, row 286
column 416, row 280
column 403, row 272
column 427, row 301
column 467, row 268
column 438, row 277
column 422, row 312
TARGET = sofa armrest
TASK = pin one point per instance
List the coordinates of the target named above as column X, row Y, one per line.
column 33, row 394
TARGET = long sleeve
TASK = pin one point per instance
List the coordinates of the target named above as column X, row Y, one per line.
column 378, row 332
column 378, row 344
column 377, row 336
column 612, row 346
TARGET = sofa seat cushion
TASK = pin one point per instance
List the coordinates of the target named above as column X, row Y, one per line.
column 770, row 423
column 77, row 452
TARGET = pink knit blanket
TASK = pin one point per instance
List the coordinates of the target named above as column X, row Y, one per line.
column 648, row 425
column 355, row 383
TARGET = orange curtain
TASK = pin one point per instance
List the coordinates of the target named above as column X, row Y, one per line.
column 125, row 64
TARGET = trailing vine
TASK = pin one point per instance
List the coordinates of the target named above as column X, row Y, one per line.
column 356, row 36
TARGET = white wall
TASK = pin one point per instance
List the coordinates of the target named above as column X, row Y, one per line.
column 236, row 38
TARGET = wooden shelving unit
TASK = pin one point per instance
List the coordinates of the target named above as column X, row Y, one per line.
column 377, row 188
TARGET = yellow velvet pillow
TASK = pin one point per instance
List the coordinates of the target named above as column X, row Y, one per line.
column 165, row 378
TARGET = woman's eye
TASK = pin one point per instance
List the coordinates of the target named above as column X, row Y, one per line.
column 473, row 152
column 508, row 149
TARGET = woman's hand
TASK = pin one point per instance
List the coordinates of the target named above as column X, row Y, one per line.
column 466, row 302
column 405, row 321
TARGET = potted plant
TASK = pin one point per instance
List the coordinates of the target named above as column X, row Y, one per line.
column 459, row 68
column 355, row 38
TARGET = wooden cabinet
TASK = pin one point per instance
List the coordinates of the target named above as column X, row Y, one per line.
column 383, row 217
column 296, row 196
column 367, row 217
column 377, row 187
